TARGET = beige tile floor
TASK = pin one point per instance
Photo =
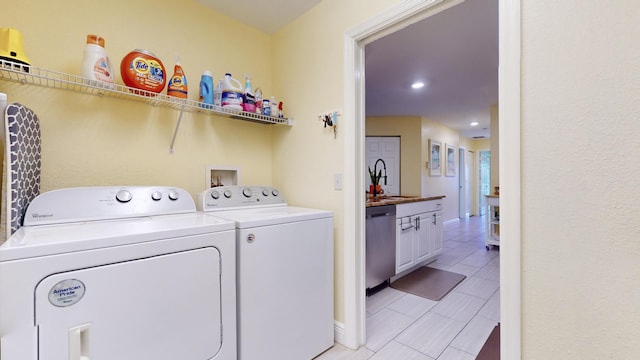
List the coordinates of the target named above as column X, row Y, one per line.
column 401, row 326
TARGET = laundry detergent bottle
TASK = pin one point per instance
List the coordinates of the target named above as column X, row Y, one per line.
column 248, row 98
column 96, row 65
column 178, row 82
column 231, row 93
column 206, row 90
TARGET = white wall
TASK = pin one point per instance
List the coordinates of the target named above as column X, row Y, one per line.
column 580, row 180
column 440, row 185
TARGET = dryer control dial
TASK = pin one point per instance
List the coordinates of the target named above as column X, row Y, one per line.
column 227, row 193
column 265, row 192
column 247, row 192
column 215, row 195
column 156, row 195
column 124, row 196
column 275, row 192
column 173, row 195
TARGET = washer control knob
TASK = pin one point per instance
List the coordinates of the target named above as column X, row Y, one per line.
column 227, row 193
column 246, row 192
column 124, row 196
column 215, row 195
column 275, row 192
column 173, row 195
column 265, row 192
column 156, row 195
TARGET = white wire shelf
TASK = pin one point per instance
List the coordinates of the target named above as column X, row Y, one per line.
column 31, row 75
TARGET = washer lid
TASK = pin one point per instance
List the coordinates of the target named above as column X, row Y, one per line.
column 44, row 240
column 264, row 216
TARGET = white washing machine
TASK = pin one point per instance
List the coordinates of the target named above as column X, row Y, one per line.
column 284, row 271
column 110, row 273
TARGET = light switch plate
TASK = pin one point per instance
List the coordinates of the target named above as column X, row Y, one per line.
column 337, row 181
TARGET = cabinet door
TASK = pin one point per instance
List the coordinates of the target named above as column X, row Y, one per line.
column 404, row 244
column 422, row 237
column 437, row 232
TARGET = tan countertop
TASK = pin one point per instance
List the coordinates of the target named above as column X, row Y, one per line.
column 395, row 200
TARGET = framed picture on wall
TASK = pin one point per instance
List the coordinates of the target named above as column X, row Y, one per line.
column 435, row 150
column 451, row 160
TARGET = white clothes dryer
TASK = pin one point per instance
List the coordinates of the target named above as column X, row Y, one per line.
column 284, row 272
column 126, row 273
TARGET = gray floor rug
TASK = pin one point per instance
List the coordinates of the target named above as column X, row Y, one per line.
column 429, row 283
column 491, row 348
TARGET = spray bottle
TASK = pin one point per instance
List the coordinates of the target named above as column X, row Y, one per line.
column 178, row 82
column 248, row 98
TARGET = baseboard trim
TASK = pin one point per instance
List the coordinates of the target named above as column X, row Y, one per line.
column 339, row 335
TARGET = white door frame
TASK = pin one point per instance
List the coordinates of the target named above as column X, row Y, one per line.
column 462, row 189
column 408, row 12
column 479, row 198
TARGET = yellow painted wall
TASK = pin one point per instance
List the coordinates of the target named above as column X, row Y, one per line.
column 580, row 180
column 480, row 144
column 89, row 140
column 408, row 129
column 308, row 71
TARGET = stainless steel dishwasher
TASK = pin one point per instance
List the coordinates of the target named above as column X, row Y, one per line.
column 381, row 245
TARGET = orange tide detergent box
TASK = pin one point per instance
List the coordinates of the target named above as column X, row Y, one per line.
column 141, row 69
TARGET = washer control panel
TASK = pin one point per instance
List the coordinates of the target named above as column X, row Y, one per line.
column 237, row 196
column 104, row 203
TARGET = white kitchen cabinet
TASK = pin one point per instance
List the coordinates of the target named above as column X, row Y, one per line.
column 405, row 243
column 419, row 233
column 436, row 232
column 423, row 237
column 493, row 221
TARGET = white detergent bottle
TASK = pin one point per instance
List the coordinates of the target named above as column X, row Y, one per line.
column 248, row 98
column 231, row 93
column 96, row 65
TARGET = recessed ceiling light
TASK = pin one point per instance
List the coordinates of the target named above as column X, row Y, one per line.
column 475, row 123
column 417, row 85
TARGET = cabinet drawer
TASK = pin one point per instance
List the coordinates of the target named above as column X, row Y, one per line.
column 418, row 207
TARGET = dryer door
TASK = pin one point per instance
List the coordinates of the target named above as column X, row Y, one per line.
column 161, row 307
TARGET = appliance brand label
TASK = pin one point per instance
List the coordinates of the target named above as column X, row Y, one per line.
column 66, row 293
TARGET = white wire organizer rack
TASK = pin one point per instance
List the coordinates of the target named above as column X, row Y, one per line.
column 31, row 75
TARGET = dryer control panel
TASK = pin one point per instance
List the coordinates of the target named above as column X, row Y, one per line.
column 238, row 197
column 105, row 203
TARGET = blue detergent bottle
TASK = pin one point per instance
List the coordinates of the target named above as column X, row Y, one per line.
column 206, row 90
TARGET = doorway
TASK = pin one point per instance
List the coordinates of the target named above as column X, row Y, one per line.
column 352, row 332
column 484, row 179
column 465, row 193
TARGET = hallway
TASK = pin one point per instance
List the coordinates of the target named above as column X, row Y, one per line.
column 404, row 326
